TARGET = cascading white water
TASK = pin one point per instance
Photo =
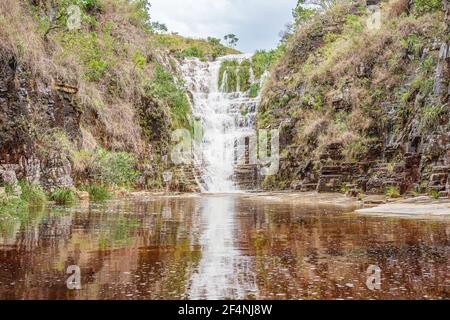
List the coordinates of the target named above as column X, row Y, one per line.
column 222, row 120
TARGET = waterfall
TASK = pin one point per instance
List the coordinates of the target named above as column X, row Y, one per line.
column 222, row 119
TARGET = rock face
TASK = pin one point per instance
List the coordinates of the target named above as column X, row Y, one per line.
column 319, row 111
column 186, row 179
column 8, row 178
column 247, row 177
column 30, row 110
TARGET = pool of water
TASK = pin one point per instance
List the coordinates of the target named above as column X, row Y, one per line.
column 221, row 247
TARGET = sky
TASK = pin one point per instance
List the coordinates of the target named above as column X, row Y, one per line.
column 257, row 23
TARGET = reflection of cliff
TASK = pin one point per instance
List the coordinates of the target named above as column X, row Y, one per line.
column 139, row 250
column 311, row 253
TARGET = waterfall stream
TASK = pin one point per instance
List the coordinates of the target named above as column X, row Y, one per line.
column 225, row 117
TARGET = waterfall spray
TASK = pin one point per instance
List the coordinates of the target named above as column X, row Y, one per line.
column 223, row 121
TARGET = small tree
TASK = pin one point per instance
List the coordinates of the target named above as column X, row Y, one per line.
column 302, row 13
column 158, row 27
column 231, row 39
column 213, row 41
column 217, row 48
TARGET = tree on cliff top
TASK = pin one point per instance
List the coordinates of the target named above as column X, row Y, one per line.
column 231, row 39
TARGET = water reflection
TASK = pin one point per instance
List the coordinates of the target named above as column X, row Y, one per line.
column 223, row 271
column 230, row 246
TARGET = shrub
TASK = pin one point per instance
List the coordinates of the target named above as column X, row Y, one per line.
column 97, row 192
column 434, row 194
column 10, row 205
column 94, row 52
column 193, row 52
column 412, row 44
column 431, row 116
column 106, row 169
column 64, row 196
column 392, row 192
column 32, row 194
column 116, row 168
column 254, row 90
column 173, row 94
column 424, row 6
column 354, row 24
column 263, row 60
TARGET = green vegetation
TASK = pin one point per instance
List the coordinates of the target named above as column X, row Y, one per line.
column 113, row 69
column 254, row 90
column 102, row 168
column 264, row 60
column 211, row 48
column 412, row 44
column 9, row 205
column 228, row 75
column 424, row 6
column 96, row 53
column 238, row 75
column 434, row 194
column 243, row 75
column 97, row 192
column 231, row 39
column 392, row 192
column 244, row 111
column 171, row 94
column 431, row 116
column 338, row 83
column 31, row 194
column 64, row 196
column 302, row 14
column 195, row 52
column 111, row 169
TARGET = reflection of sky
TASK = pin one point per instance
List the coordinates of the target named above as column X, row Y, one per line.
column 257, row 23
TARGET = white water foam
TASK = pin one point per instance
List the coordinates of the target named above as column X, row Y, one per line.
column 220, row 115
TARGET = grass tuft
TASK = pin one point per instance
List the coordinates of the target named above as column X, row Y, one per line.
column 64, row 196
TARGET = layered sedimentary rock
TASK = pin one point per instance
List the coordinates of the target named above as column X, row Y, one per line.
column 321, row 108
column 30, row 110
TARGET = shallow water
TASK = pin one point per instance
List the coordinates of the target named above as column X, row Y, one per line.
column 220, row 247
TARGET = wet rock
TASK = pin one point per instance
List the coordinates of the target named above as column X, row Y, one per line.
column 57, row 173
column 246, row 177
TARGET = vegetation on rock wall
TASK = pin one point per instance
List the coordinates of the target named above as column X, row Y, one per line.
column 105, row 96
column 340, row 83
column 236, row 76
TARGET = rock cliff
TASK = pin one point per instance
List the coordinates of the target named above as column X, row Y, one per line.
column 363, row 108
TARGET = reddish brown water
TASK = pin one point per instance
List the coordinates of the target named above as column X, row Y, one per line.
column 220, row 247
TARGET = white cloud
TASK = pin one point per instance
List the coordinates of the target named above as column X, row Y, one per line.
column 257, row 23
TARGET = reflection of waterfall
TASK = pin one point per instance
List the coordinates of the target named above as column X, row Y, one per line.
column 222, row 119
column 223, row 273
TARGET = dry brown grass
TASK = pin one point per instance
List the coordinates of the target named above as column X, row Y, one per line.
column 335, row 65
column 109, row 103
column 18, row 38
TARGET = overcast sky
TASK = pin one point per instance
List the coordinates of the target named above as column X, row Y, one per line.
column 257, row 23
